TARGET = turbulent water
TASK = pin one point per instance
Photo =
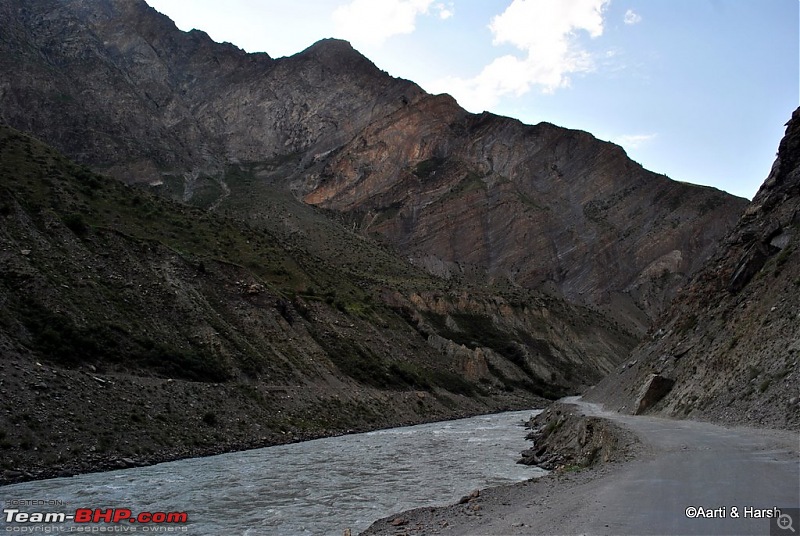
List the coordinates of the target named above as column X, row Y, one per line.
column 316, row 487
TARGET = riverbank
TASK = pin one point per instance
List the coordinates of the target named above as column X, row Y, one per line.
column 49, row 425
column 661, row 467
column 516, row 504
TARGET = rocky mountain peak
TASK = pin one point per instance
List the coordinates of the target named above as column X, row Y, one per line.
column 331, row 51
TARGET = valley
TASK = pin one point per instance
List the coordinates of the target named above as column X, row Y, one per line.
column 206, row 251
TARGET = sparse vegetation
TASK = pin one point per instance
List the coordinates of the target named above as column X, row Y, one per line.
column 57, row 337
column 687, row 324
column 753, row 373
column 782, row 258
column 471, row 182
column 429, row 167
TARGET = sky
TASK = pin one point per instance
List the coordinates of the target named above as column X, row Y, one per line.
column 699, row 90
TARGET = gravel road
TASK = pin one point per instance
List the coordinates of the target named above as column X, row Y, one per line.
column 681, row 465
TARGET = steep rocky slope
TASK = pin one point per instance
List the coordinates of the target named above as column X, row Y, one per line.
column 542, row 206
column 125, row 312
column 116, row 86
column 731, row 340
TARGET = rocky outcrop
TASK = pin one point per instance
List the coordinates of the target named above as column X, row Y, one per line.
column 566, row 440
column 730, row 340
column 547, row 341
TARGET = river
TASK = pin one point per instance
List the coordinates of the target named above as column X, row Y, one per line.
column 318, row 487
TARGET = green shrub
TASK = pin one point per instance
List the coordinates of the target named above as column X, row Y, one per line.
column 764, row 385
column 428, row 167
column 76, row 223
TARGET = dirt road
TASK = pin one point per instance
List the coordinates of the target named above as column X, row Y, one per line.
column 685, row 465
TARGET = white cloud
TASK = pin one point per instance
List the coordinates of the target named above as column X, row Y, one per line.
column 632, row 17
column 371, row 22
column 634, row 141
column 545, row 32
column 445, row 11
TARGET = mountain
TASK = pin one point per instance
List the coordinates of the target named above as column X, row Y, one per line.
column 223, row 250
column 543, row 206
column 121, row 310
column 116, row 86
column 728, row 347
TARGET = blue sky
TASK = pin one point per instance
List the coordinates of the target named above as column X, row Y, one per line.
column 696, row 89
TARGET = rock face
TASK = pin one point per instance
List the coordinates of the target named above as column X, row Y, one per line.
column 654, row 389
column 115, row 85
column 542, row 206
column 731, row 340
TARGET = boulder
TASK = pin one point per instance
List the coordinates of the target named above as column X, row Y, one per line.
column 654, row 389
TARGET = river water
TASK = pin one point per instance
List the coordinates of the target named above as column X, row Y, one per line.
column 315, row 487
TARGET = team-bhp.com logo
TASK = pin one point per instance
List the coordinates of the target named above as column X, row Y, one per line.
column 95, row 515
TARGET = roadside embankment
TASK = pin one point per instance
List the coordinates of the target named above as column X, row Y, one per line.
column 565, row 439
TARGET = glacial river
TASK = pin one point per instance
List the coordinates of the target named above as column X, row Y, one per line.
column 315, row 487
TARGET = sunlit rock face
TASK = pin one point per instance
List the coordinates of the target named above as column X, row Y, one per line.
column 543, row 206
